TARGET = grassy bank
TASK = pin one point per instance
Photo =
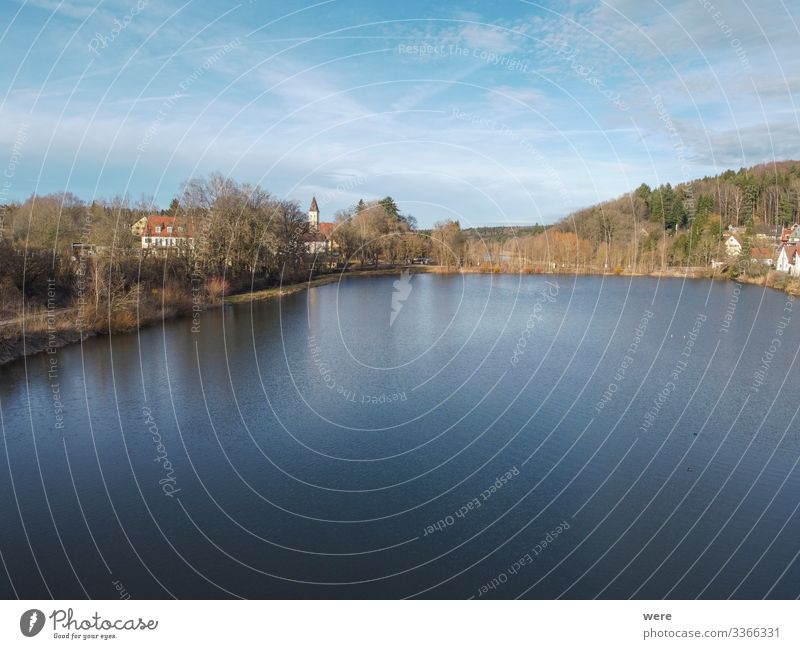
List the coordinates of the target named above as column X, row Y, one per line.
column 40, row 330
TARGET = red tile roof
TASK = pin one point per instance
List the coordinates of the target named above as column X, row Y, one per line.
column 156, row 220
column 322, row 234
column 761, row 253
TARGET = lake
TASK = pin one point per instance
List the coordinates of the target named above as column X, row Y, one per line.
column 438, row 436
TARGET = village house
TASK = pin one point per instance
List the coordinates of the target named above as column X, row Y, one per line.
column 791, row 235
column 762, row 256
column 766, row 233
column 788, row 260
column 733, row 244
column 137, row 229
column 163, row 232
column 80, row 249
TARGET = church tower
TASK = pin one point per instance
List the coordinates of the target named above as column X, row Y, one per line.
column 313, row 214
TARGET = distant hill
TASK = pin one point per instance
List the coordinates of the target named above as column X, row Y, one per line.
column 501, row 233
column 766, row 194
column 657, row 227
column 683, row 224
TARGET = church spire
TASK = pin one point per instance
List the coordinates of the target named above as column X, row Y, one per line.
column 313, row 214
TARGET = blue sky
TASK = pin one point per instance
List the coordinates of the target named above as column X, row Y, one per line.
column 489, row 112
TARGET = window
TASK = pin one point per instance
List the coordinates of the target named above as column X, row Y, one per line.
column 169, row 229
column 158, row 229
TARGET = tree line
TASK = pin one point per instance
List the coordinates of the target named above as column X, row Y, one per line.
column 245, row 237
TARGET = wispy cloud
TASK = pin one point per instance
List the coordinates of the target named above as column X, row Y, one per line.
column 313, row 99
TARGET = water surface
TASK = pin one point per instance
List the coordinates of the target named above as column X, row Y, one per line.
column 500, row 437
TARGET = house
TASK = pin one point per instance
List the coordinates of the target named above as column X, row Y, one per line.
column 794, row 265
column 164, row 232
column 326, row 229
column 83, row 250
column 766, row 233
column 319, row 239
column 793, row 236
column 789, row 260
column 137, row 229
column 787, row 232
column 733, row 245
column 762, row 256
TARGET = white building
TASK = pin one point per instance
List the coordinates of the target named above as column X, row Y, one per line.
column 137, row 229
column 733, row 245
column 163, row 232
column 318, row 239
column 789, row 260
column 313, row 215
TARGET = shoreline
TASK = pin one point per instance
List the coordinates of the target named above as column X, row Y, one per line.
column 13, row 347
column 330, row 278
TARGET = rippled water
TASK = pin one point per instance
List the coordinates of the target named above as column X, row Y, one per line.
column 499, row 437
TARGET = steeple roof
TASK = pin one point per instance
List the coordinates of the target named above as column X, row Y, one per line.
column 313, row 207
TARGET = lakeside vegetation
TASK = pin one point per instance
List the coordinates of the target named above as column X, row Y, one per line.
column 69, row 269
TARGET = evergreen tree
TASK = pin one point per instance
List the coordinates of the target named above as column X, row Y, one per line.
column 705, row 205
column 660, row 204
column 785, row 212
column 643, row 191
column 677, row 215
column 390, row 207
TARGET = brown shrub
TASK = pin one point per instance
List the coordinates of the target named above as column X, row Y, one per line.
column 123, row 322
column 175, row 299
column 217, row 288
column 10, row 299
